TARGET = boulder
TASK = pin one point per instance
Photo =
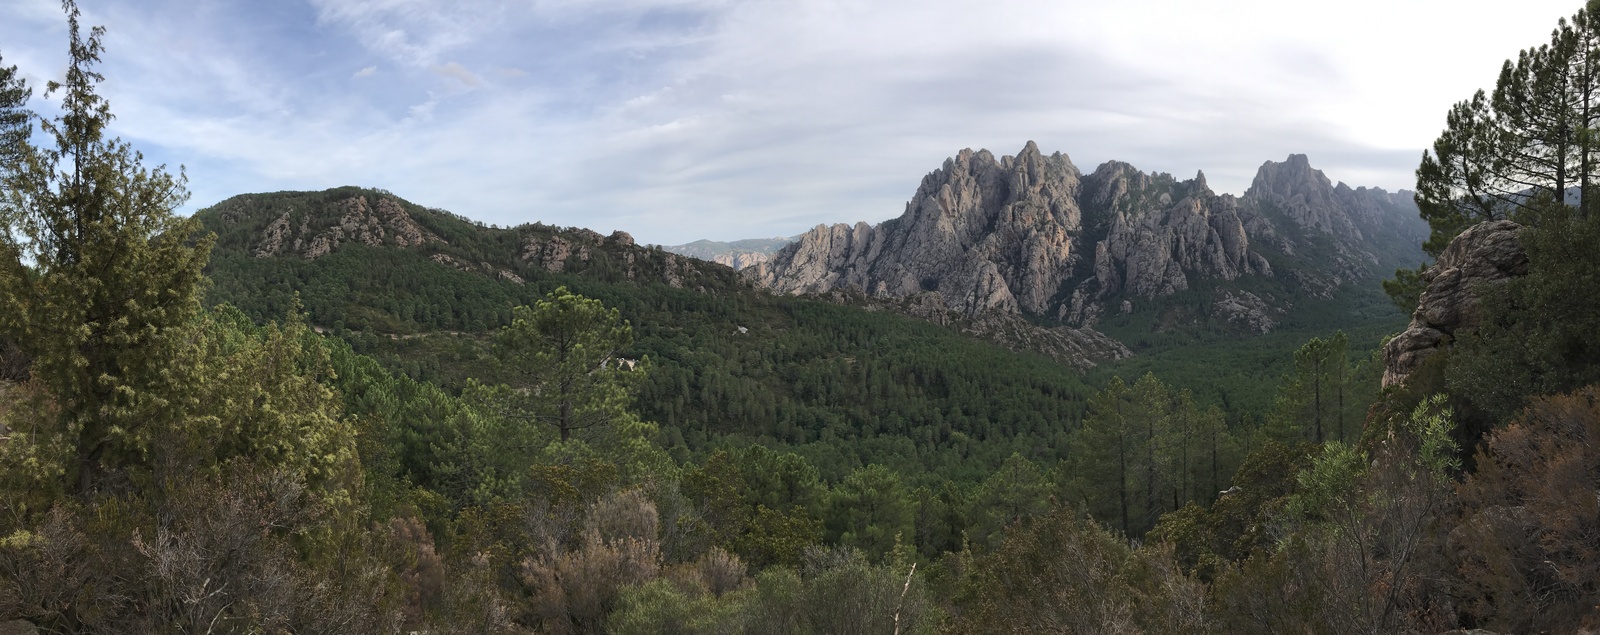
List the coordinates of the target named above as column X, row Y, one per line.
column 1486, row 253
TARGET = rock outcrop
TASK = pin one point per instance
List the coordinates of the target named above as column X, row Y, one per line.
column 1080, row 348
column 984, row 233
column 1487, row 253
column 1030, row 234
column 551, row 253
column 740, row 260
column 360, row 221
column 1158, row 234
column 1247, row 310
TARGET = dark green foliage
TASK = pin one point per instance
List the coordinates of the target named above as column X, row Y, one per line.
column 1538, row 331
column 1146, row 450
column 562, row 357
column 1238, row 523
column 763, row 505
column 834, row 591
column 14, row 116
column 870, row 510
column 840, row 386
column 1406, row 288
column 97, row 274
column 1063, row 573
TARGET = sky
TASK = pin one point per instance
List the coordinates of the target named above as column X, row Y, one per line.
column 677, row 120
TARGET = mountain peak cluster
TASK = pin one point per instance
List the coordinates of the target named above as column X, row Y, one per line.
column 1032, row 234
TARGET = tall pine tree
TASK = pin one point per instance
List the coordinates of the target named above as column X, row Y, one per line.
column 97, row 272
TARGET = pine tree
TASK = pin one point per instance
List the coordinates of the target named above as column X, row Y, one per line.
column 1535, row 137
column 97, row 272
column 564, row 355
column 14, row 116
column 1536, row 133
column 1106, row 454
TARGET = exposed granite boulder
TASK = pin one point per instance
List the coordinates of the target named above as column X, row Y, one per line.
column 273, row 238
column 1080, row 348
column 552, row 253
column 1247, row 310
column 1486, row 253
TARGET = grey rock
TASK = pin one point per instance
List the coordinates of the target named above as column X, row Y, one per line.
column 740, row 260
column 552, row 253
column 378, row 222
column 1034, row 235
column 1247, row 310
column 738, row 254
column 1160, row 232
column 1030, row 234
column 984, row 233
column 1486, row 253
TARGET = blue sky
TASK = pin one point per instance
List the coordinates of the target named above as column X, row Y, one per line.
column 724, row 119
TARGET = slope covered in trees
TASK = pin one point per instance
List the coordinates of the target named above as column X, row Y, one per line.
column 173, row 462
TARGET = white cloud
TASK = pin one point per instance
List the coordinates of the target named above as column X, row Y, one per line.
column 682, row 119
column 414, row 32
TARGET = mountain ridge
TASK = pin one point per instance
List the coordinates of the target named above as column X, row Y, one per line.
column 257, row 230
column 737, row 254
column 1031, row 234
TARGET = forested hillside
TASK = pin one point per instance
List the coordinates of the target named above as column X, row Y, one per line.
column 340, row 412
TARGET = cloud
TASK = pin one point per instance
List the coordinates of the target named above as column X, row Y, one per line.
column 412, row 32
column 685, row 119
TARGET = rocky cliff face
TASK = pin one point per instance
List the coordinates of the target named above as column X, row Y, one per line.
column 1158, row 233
column 984, row 233
column 740, row 260
column 1030, row 234
column 380, row 222
column 1487, row 253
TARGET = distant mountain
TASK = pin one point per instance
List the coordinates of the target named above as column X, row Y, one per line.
column 1032, row 235
column 738, row 254
column 368, row 261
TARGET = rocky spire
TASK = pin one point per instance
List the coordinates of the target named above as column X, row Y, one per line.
column 1031, row 234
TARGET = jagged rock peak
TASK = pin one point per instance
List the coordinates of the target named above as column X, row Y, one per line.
column 1032, row 234
column 1158, row 232
column 1307, row 197
column 983, row 233
column 1293, row 180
